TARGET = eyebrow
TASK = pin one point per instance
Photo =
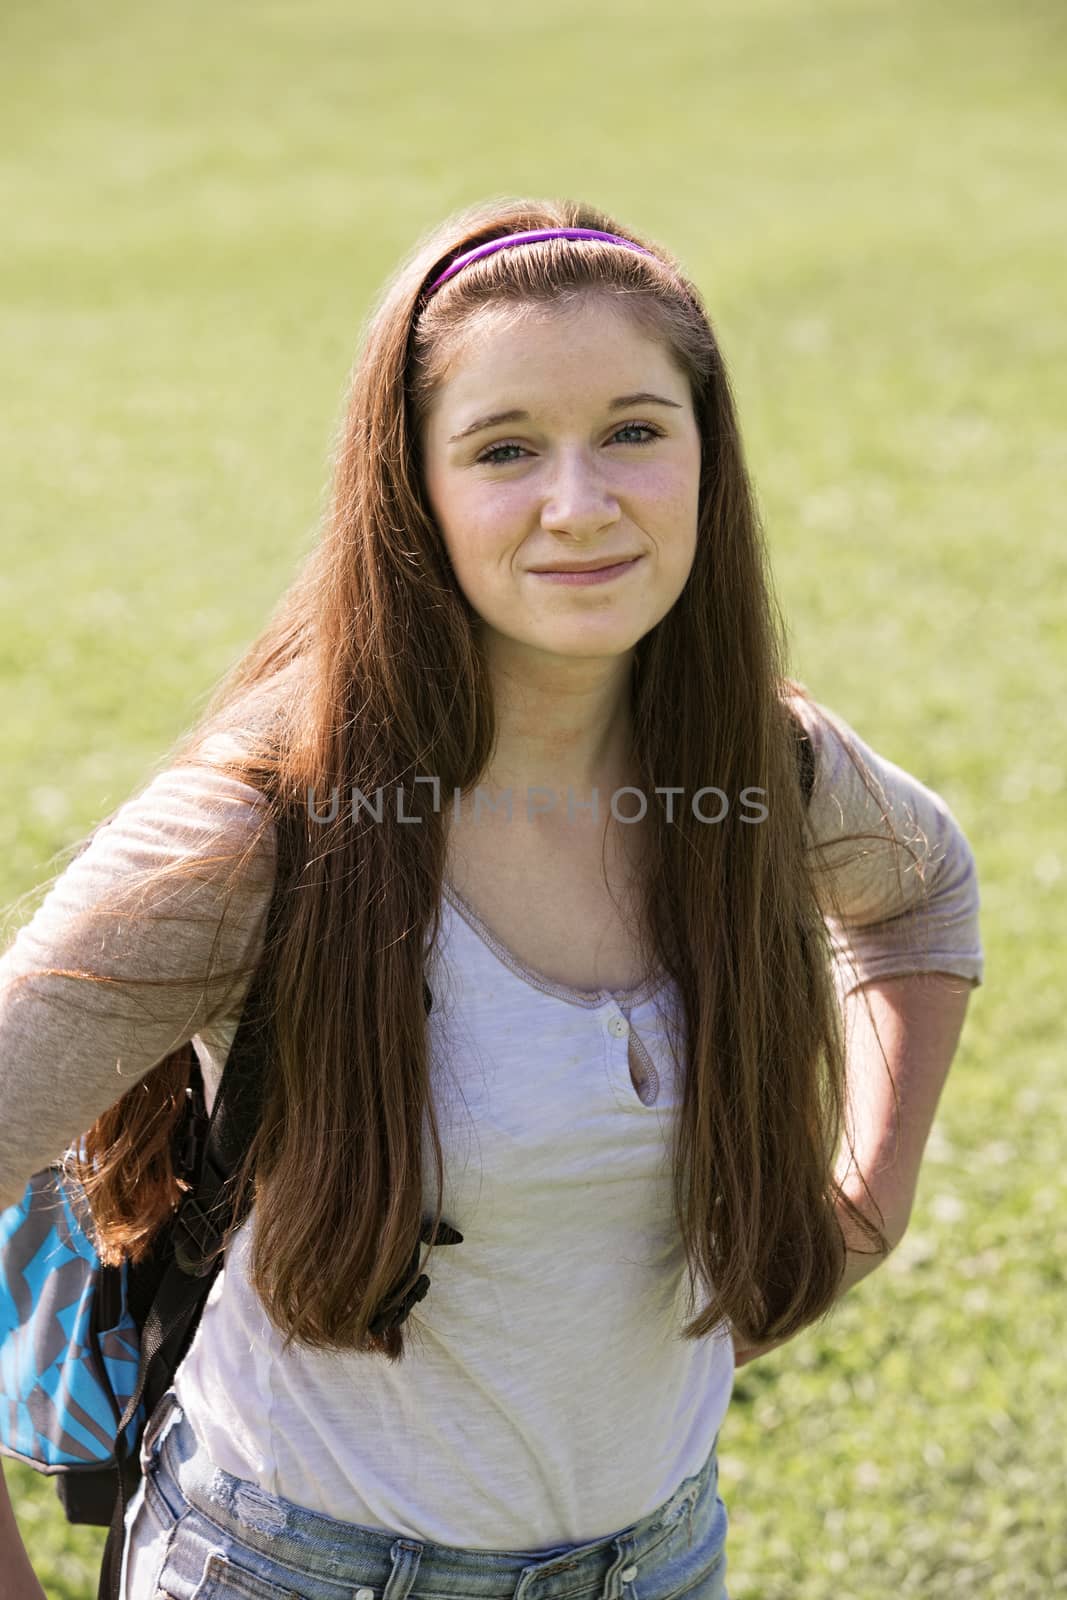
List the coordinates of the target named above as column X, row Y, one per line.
column 620, row 403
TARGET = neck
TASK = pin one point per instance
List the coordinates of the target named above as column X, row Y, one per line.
column 562, row 726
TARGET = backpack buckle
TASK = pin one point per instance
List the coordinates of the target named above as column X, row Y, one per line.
column 396, row 1311
column 193, row 1137
column 397, row 1306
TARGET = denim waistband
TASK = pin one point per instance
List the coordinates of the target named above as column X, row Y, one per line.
column 386, row 1563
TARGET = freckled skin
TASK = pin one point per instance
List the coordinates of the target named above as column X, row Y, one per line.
column 576, row 480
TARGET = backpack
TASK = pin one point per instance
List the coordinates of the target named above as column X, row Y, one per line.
column 87, row 1351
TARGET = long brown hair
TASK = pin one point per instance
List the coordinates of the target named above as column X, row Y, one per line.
column 369, row 675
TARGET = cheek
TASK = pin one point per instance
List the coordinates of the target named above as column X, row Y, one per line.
column 668, row 492
column 673, row 528
column 481, row 530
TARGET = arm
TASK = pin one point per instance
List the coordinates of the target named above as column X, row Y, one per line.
column 919, row 1019
column 903, row 1010
column 18, row 1580
column 70, row 1048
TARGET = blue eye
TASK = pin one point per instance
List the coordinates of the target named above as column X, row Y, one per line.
column 491, row 456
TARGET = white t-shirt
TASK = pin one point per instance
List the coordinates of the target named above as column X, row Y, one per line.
column 545, row 1396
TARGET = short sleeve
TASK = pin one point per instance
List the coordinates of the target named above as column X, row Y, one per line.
column 69, row 1048
column 904, row 898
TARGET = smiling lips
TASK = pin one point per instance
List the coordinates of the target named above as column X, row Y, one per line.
column 597, row 564
column 584, row 575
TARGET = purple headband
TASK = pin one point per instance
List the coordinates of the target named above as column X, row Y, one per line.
column 531, row 237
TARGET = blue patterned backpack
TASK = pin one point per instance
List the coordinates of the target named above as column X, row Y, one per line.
column 70, row 1344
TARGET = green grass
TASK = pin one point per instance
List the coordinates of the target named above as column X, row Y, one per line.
column 202, row 204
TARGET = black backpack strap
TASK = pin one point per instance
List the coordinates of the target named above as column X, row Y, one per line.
column 185, row 1281
column 173, row 1279
column 805, row 754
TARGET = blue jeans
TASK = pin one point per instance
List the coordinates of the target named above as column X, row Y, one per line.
column 197, row 1533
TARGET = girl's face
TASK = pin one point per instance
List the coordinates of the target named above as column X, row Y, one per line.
column 597, row 461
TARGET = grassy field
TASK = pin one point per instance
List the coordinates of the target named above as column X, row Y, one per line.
column 201, row 204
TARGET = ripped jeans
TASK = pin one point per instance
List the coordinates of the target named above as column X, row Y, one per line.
column 195, row 1532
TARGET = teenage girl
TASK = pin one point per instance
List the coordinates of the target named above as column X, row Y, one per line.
column 527, row 703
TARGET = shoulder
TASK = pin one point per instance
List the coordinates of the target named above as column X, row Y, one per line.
column 842, row 764
column 192, row 836
column 144, row 939
column 197, row 807
column 882, row 836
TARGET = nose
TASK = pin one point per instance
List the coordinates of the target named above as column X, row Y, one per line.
column 578, row 501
